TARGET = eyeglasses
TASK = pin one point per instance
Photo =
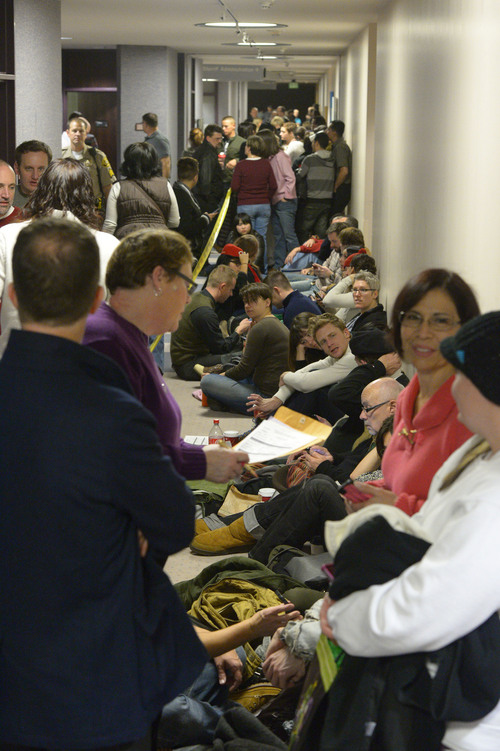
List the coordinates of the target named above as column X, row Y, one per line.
column 436, row 322
column 189, row 282
column 362, row 289
column 367, row 410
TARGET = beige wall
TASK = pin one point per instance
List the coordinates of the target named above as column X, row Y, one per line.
column 358, row 113
column 437, row 159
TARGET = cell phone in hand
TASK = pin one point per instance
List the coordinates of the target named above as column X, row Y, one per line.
column 327, row 568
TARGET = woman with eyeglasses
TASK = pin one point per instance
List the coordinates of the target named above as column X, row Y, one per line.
column 149, row 281
column 430, row 307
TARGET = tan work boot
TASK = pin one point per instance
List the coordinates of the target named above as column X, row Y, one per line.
column 231, row 539
column 200, row 527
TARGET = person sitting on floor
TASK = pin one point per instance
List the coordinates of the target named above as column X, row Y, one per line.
column 338, row 299
column 394, row 616
column 238, row 259
column 264, row 357
column 298, row 514
column 243, row 227
column 303, row 348
column 198, row 339
column 333, row 337
column 292, row 301
column 370, row 312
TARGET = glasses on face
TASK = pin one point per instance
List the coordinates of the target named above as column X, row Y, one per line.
column 361, row 289
column 367, row 410
column 436, row 322
column 188, row 282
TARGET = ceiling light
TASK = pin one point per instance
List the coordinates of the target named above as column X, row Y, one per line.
column 251, row 25
column 253, row 44
column 209, row 79
column 66, row 37
column 268, row 57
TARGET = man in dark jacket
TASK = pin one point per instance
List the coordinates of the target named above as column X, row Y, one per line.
column 209, row 190
column 194, row 222
column 94, row 640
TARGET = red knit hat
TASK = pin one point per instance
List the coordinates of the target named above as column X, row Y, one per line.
column 348, row 260
column 231, row 250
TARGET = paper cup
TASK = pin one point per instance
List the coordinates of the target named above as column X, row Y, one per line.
column 266, row 493
column 232, row 436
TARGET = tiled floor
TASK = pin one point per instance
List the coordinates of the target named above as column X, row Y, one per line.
column 196, row 420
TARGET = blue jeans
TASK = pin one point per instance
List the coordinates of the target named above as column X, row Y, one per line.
column 283, row 223
column 260, row 213
column 233, row 394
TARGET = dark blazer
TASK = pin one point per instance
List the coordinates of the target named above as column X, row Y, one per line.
column 193, row 222
column 93, row 638
column 210, row 188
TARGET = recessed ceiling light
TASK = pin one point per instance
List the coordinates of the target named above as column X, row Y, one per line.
column 268, row 57
column 251, row 25
column 254, row 44
column 66, row 37
column 209, row 79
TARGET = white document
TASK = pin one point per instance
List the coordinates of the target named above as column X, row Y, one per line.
column 196, row 440
column 272, row 438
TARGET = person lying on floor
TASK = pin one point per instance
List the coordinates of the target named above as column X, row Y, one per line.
column 298, row 514
column 192, row 716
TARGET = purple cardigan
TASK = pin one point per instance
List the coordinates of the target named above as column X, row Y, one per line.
column 112, row 335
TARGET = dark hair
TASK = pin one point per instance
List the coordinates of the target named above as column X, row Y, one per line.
column 243, row 218
column 336, row 227
column 140, row 161
column 246, row 129
column 256, row 146
column 187, row 168
column 271, row 142
column 27, row 146
column 386, row 427
column 66, row 186
column 139, row 253
column 150, row 119
column 322, row 139
column 55, row 264
column 278, row 279
column 364, row 262
column 300, row 133
column 338, row 127
column 211, row 129
column 318, row 121
column 255, row 290
column 300, row 324
column 418, row 286
column 352, row 236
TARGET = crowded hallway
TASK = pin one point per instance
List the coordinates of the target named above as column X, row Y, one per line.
column 249, row 379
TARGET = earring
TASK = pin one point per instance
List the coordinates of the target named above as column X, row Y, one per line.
column 158, row 292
